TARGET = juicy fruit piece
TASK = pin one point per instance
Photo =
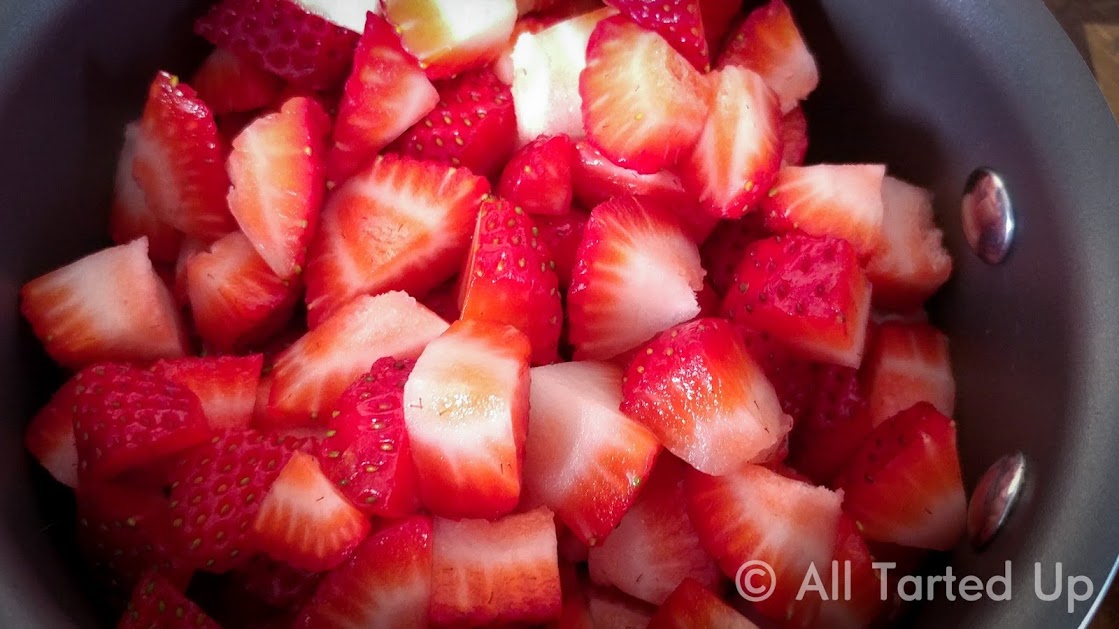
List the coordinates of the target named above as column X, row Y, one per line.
column 508, row 278
column 861, row 601
column 50, row 435
column 637, row 274
column 643, row 104
column 108, row 306
column 904, row 485
column 230, row 85
column 538, row 177
column 275, row 583
column 348, row 14
column 794, row 140
column 401, row 224
column 584, row 459
column 834, row 423
column 366, row 452
column 560, row 236
column 708, row 402
column 678, row 21
column 278, row 183
column 127, row 417
column 179, row 161
column 308, row 377
column 495, row 572
column 449, row 36
column 908, row 363
column 466, row 411
column 130, row 216
column 724, row 248
column 595, row 180
column 608, row 607
column 738, row 153
column 385, row 583
column 807, row 292
column 718, row 18
column 693, row 605
column 157, row 603
column 769, row 43
column 225, row 385
column 283, row 38
column 386, row 93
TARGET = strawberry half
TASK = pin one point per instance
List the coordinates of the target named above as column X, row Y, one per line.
column 908, row 363
column 724, row 248
column 157, row 603
column 769, row 43
column 50, row 435
column 834, row 422
column 560, row 236
column 538, row 177
column 679, row 22
column 694, row 605
column 130, row 216
column 450, row 37
column 595, row 180
column 230, row 85
column 794, row 139
column 466, row 410
column 225, row 385
column 904, row 485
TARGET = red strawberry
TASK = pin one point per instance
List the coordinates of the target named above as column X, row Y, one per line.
column 127, row 417
column 538, row 177
column 717, row 21
column 385, row 583
column 834, row 423
column 908, row 363
column 366, row 452
column 769, row 43
column 109, row 305
column 509, row 278
column 595, row 180
column 225, row 385
column 449, row 37
column 130, row 216
column 349, row 14
column 860, row 598
column 794, row 138
column 904, row 486
column 309, row 376
column 180, row 288
column 561, row 235
column 495, row 572
column 157, row 603
column 637, row 274
column 386, row 93
column 443, row 300
column 609, row 608
column 694, row 605
column 276, row 583
column 473, row 125
column 584, row 459
column 179, row 161
column 643, row 103
column 843, row 201
column 680, row 22
column 724, row 248
column 50, row 435
column 738, row 153
column 402, row 224
column 278, row 183
column 466, row 410
column 283, row 38
column 229, row 84
column 807, row 292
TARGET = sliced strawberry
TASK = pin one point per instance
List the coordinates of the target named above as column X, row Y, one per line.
column 860, row 595
column 794, row 138
column 276, row 583
column 509, row 278
column 834, row 423
column 904, row 485
column 911, row 262
column 50, row 435
column 110, row 305
column 637, row 274
column 692, row 604
column 807, row 292
column 230, row 85
column 226, row 385
column 724, row 248
column 180, row 288
column 595, row 180
column 718, row 16
column 130, row 216
column 309, row 376
column 157, row 603
column 466, row 409
column 450, row 37
column 643, row 103
column 908, row 363
column 348, row 14
column 769, row 43
column 283, row 38
column 679, row 22
column 584, row 459
column 387, row 92
column 530, row 24
column 402, row 224
column 538, row 177
column 366, row 452
column 609, row 608
column 560, row 236
column 443, row 300
column 385, row 583
column 486, row 573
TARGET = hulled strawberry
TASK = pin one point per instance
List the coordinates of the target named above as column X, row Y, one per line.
column 908, row 363
column 157, row 603
column 231, row 85
column 769, row 43
column 834, row 419
column 538, row 177
column 130, row 216
column 560, row 236
column 225, row 385
column 595, row 180
column 449, row 37
column 695, row 605
column 679, row 22
column 794, row 139
column 50, row 435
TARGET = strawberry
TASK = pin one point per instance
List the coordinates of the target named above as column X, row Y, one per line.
column 225, row 385
column 276, row 583
column 738, row 153
column 724, row 248
column 366, row 452
column 584, row 459
column 718, row 16
column 110, row 305
column 860, row 600
column 130, row 216
column 538, row 177
column 654, row 547
column 466, row 410
column 386, row 93
column 610, row 609
column 348, row 14
column 157, row 603
column 844, row 201
column 179, row 161
column 525, row 24
column 694, row 605
column 50, row 435
column 561, row 235
column 678, row 21
column 595, row 180
column 643, row 103
column 278, row 183
column 509, row 278
column 768, row 42
column 228, row 84
column 385, row 583
column 807, row 292
column 402, row 224
column 833, row 424
column 794, row 139
column 282, row 37
column 904, row 486
column 486, row 573
column 473, row 125
column 637, row 274
column 908, row 363
column 443, row 300
column 126, row 417
column 910, row 263
column 449, row 37
column 309, row 376
column 180, row 287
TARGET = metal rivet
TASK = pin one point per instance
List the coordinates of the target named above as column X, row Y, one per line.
column 994, row 498
column 988, row 216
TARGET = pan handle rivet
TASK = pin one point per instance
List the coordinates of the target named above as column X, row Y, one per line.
column 994, row 498
column 988, row 215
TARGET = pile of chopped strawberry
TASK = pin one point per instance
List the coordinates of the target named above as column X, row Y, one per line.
column 508, row 312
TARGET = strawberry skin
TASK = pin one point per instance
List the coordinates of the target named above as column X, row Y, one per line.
column 908, row 363
column 130, row 216
column 225, row 385
column 694, row 605
column 769, row 43
column 449, row 37
column 718, row 18
column 834, row 423
column 724, row 248
column 560, row 236
column 50, row 435
column 679, row 22
column 794, row 139
column 230, row 85
column 157, row 603
column 538, row 177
